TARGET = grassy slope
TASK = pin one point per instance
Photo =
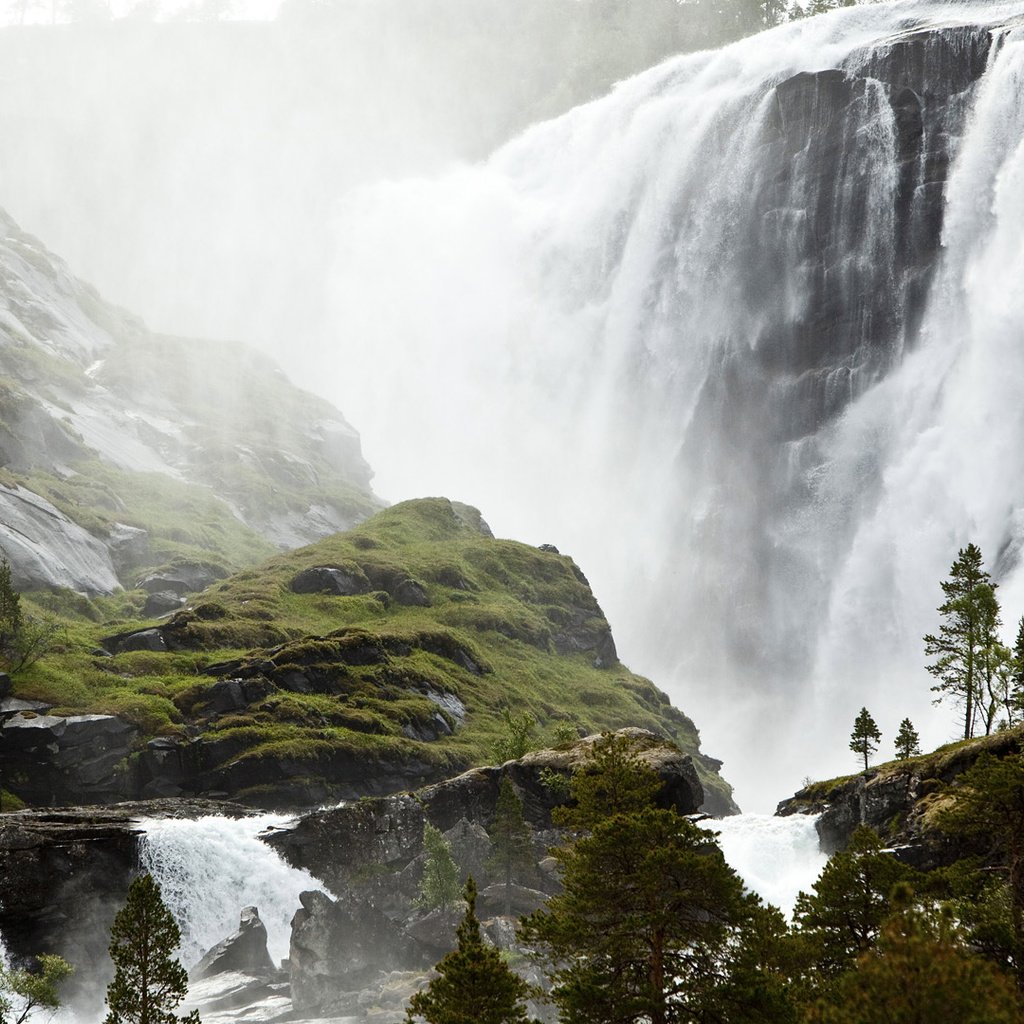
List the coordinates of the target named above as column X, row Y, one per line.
column 499, row 602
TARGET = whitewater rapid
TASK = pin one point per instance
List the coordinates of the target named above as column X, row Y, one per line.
column 604, row 337
column 210, row 868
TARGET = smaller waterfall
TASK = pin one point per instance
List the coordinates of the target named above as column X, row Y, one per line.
column 209, row 868
column 775, row 857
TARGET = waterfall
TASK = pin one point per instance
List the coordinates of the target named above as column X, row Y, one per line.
column 776, row 857
column 210, row 868
column 740, row 338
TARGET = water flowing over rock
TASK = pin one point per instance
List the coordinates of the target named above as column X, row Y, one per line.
column 750, row 315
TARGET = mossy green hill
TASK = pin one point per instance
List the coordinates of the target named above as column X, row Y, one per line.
column 373, row 660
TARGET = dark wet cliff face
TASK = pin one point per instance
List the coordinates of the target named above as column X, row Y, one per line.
column 830, row 262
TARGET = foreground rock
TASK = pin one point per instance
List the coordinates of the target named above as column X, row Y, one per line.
column 244, row 952
column 345, row 949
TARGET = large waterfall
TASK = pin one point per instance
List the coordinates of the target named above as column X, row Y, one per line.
column 743, row 338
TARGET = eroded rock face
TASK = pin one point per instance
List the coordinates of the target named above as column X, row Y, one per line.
column 46, row 549
column 383, row 837
column 79, row 759
column 244, row 952
column 339, row 946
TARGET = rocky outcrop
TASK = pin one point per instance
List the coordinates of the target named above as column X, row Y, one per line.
column 78, row 759
column 383, row 837
column 91, row 402
column 340, row 946
column 896, row 800
column 46, row 549
column 244, row 952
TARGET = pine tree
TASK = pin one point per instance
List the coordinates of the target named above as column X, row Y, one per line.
column 920, row 971
column 149, row 982
column 971, row 617
column 649, row 914
column 865, row 736
column 842, row 916
column 439, row 886
column 612, row 781
column 473, row 984
column 908, row 743
column 989, row 804
column 511, row 839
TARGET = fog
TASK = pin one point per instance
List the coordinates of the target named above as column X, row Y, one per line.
column 532, row 319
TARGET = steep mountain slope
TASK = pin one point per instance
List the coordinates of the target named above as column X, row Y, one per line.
column 124, row 450
column 372, row 661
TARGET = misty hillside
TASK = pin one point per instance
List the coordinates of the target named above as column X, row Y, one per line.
column 372, row 661
column 125, row 451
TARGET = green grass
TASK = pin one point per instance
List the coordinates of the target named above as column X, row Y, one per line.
column 488, row 637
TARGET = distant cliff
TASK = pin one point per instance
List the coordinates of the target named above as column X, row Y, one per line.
column 124, row 452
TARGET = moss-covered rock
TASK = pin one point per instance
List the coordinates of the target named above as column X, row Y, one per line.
column 278, row 697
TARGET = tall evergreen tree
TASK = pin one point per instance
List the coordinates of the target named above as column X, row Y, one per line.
column 649, row 913
column 511, row 840
column 149, row 981
column 908, row 743
column 865, row 736
column 970, row 617
column 473, row 984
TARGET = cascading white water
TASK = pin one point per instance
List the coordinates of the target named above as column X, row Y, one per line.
column 210, row 868
column 687, row 343
column 777, row 858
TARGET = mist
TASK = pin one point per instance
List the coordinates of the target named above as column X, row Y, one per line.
column 546, row 297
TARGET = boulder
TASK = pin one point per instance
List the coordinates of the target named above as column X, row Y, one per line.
column 328, row 579
column 128, row 546
column 79, row 759
column 137, row 640
column 338, row 947
column 521, row 899
column 411, row 593
column 182, row 578
column 435, row 931
column 244, row 952
column 163, row 602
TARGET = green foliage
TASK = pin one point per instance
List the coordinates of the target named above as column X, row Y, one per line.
column 649, row 910
column 24, row 639
column 612, row 781
column 989, row 804
column 511, row 840
column 843, row 915
column 516, row 740
column 908, row 743
column 148, row 982
column 23, row 992
column 966, row 636
column 439, row 886
column 645, row 923
column 865, row 736
column 920, row 971
column 473, row 984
